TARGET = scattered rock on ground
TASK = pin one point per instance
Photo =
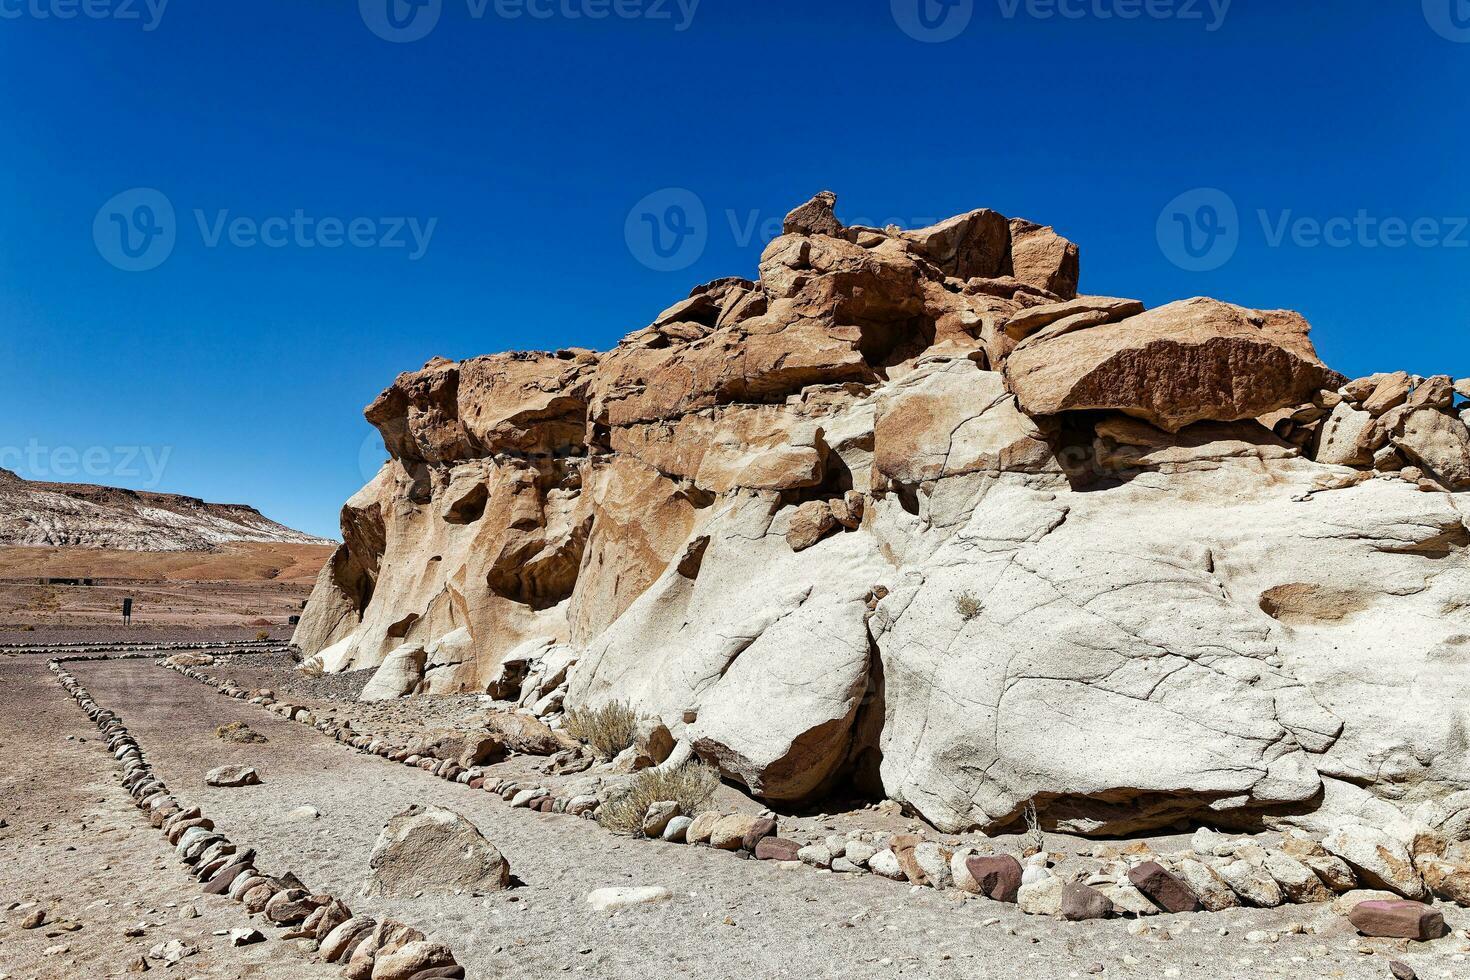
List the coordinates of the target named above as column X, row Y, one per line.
column 232, row 777
column 433, row 850
column 612, row 899
column 1399, row 919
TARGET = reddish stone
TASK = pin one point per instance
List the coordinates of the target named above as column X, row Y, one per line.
column 1165, row 890
column 777, row 849
column 1083, row 902
column 545, row 805
column 760, row 828
column 477, row 782
column 1397, row 920
column 440, row 973
column 221, row 882
column 998, row 877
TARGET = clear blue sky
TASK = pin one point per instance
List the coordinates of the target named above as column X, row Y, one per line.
column 529, row 139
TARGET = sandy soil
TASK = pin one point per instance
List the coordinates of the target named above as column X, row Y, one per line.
column 243, row 584
column 243, row 561
column 729, row 918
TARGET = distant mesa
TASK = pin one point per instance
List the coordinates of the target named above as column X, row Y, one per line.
column 77, row 515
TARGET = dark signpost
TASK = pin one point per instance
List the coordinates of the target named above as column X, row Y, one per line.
column 128, row 611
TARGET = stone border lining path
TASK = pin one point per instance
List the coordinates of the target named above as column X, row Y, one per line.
column 387, row 950
column 1147, row 884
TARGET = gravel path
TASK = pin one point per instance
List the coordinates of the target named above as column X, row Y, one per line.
column 74, row 845
column 729, row 918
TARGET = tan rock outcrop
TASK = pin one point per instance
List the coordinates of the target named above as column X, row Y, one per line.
column 906, row 514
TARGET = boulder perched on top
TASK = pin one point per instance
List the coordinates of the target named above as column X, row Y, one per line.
column 1190, row 361
column 435, row 851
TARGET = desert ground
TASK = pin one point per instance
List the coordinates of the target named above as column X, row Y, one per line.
column 239, row 585
column 112, row 888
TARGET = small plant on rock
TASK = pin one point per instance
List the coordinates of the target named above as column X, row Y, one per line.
column 609, row 729
column 690, row 785
column 968, row 605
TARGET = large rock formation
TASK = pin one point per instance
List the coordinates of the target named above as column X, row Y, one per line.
column 911, row 515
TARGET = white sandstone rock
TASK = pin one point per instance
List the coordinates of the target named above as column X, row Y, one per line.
column 1042, row 896
column 612, row 899
column 1379, row 859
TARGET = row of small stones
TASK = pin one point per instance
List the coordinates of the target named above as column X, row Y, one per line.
column 371, row 950
column 1114, row 890
column 250, row 646
column 517, row 794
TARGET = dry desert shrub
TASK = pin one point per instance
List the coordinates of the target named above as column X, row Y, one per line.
column 1035, row 839
column 239, row 732
column 968, row 606
column 609, row 729
column 690, row 785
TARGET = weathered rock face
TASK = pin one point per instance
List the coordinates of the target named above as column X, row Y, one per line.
column 909, row 513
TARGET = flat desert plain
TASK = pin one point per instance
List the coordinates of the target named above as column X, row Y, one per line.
column 236, row 586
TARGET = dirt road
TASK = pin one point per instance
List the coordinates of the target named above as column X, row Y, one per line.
column 729, row 918
column 75, row 845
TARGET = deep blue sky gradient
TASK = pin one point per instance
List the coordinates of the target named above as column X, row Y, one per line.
column 529, row 140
